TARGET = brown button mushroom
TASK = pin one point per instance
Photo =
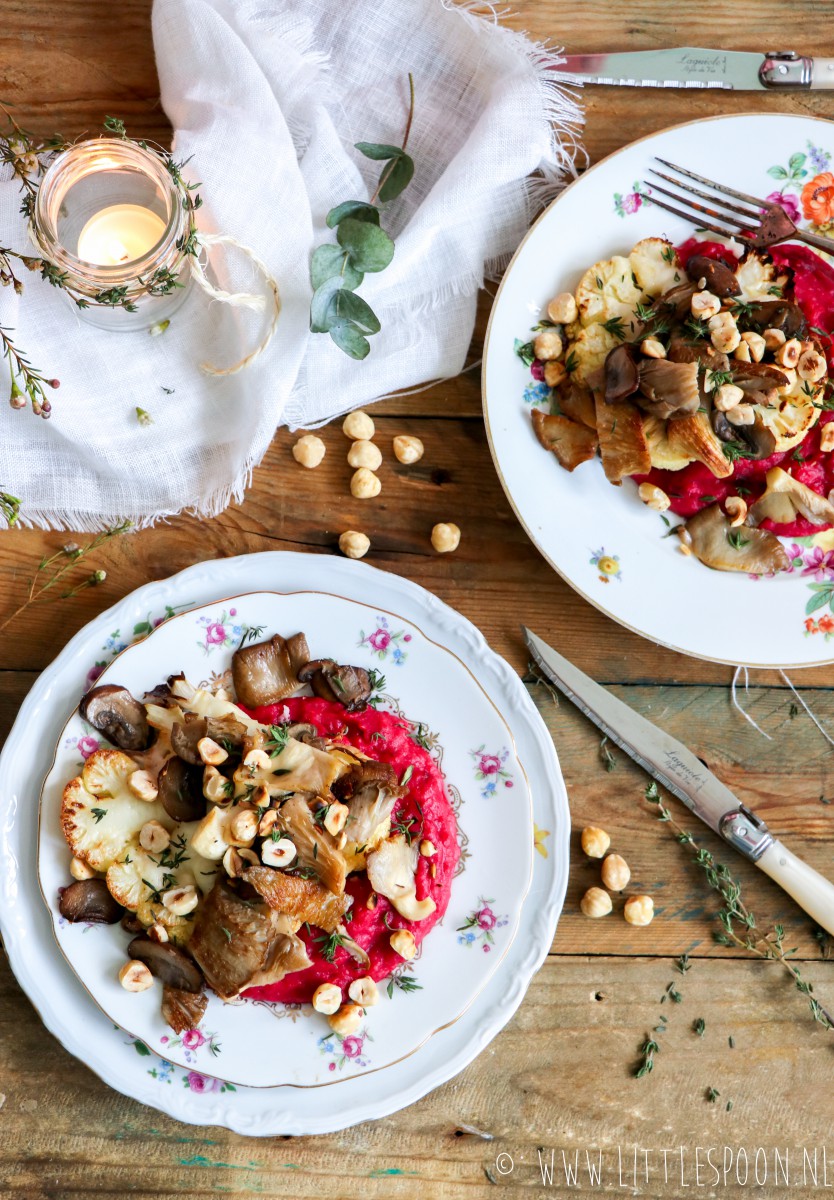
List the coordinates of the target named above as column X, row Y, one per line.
column 89, row 900
column 181, row 790
column 267, row 672
column 168, row 963
column 113, row 711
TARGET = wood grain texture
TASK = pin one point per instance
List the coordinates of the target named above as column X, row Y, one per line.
column 559, row 1076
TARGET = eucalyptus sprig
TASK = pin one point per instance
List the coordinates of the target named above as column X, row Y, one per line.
column 362, row 247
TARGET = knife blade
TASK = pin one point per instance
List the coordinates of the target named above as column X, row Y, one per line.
column 692, row 67
column 682, row 774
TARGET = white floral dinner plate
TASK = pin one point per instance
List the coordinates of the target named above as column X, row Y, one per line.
column 194, row 1091
column 601, row 539
column 432, row 688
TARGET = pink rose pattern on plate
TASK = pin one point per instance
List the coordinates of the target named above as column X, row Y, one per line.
column 348, row 1051
column 164, row 1071
column 490, row 770
column 384, row 641
column 191, row 1042
column 479, row 926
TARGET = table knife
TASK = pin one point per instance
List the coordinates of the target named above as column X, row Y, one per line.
column 679, row 771
column 690, row 67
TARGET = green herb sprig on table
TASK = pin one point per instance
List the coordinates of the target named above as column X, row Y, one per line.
column 363, row 247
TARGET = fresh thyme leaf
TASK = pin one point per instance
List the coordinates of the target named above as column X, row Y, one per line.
column 329, row 943
column 735, row 450
column 737, row 539
column 606, row 757
column 227, row 932
column 647, row 1052
column 712, row 1095
column 525, row 352
column 422, row 737
column 278, row 738
column 731, row 1042
column 615, row 326
column 405, row 983
column 699, row 1026
column 98, row 813
column 683, row 964
column 668, row 254
column 406, row 775
column 571, row 362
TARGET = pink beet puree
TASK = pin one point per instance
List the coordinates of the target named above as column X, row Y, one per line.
column 696, row 487
column 427, row 802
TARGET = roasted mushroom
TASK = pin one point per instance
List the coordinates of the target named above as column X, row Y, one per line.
column 351, row 686
column 693, row 437
column 715, row 543
column 183, row 1010
column 89, row 900
column 571, row 442
column 186, row 734
column 267, row 672
column 773, row 314
column 302, row 899
column 668, row 389
column 317, row 849
column 577, row 402
column 756, row 440
column 113, row 711
column 718, row 278
column 622, row 440
column 621, row 375
column 181, row 790
column 168, row 963
column 757, row 377
column 785, row 499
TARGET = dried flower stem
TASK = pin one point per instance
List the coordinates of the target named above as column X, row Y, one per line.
column 52, row 570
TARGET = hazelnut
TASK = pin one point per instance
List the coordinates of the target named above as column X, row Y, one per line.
column 347, row 1019
column 158, row 933
column 639, row 910
column 365, row 454
column 278, row 854
column 80, row 870
column 555, row 373
column 154, row 837
column 788, row 353
column 705, row 305
column 354, row 544
column 826, row 441
column 358, row 426
column 742, row 414
column 211, row 753
column 216, row 787
column 364, row 484
column 615, row 872
column 364, row 991
column 774, row 338
column 336, row 817
column 742, row 351
column 408, row 449
column 811, row 366
column 724, row 333
column 268, row 821
column 327, row 999
column 595, row 841
column 402, row 942
column 427, row 848
column 445, row 537
column 653, row 497
column 547, row 345
column 181, row 901
column 596, row 903
column 756, row 344
column 562, row 309
column 651, row 348
column 143, row 786
column 243, row 826
column 728, row 396
column 308, row 450
column 134, row 976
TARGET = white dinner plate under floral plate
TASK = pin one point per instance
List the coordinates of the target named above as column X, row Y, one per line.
column 432, row 688
column 608, row 545
column 195, row 1092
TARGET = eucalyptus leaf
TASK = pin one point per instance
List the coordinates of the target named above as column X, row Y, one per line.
column 378, row 150
column 350, row 307
column 359, row 209
column 348, row 338
column 323, row 305
column 370, row 248
column 397, row 178
column 330, row 261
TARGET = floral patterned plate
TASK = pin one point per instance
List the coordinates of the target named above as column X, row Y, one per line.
column 607, row 545
column 461, row 724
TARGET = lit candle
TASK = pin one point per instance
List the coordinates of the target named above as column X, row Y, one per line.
column 119, row 234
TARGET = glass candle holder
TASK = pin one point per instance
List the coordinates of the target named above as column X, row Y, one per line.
column 111, row 219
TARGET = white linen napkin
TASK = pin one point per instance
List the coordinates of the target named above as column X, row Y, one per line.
column 267, row 98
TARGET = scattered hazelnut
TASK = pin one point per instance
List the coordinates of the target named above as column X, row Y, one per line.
column 243, row 826
column 596, row 903
column 347, row 1019
column 364, row 484
column 158, row 933
column 615, row 872
column 728, row 396
column 354, row 544
column 278, row 854
column 80, row 870
column 562, row 309
column 365, row 454
column 327, row 999
column 811, row 366
column 154, row 837
column 358, row 426
column 705, row 305
column 653, row 497
column 364, row 991
column 547, row 345
column 408, row 449
column 308, row 450
column 143, row 786
column 651, row 348
column 756, row 344
column 555, row 373
column 134, row 976
column 211, row 752
column 402, row 942
column 742, row 414
column 742, row 351
column 336, row 817
column 595, row 841
column 445, row 537
column 639, row 910
column 774, row 338
column 215, row 785
column 788, row 353
column 827, row 437
column 181, row 901
column 427, row 848
column 268, row 821
column 724, row 333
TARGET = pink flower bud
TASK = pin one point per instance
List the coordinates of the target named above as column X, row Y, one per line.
column 54, row 383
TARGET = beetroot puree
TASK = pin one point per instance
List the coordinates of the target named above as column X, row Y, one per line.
column 385, row 737
column 695, row 487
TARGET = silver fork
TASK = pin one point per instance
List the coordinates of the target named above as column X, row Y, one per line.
column 764, row 225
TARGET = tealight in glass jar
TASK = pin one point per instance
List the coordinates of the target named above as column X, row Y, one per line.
column 112, row 220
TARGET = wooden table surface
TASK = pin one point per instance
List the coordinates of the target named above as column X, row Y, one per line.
column 560, row 1076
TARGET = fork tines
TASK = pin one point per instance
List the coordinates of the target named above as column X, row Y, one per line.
column 751, row 210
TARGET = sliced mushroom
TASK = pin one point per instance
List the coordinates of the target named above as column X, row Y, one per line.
column 685, row 348
column 317, row 849
column 621, row 377
column 267, row 672
column 167, row 963
column 693, row 437
column 362, row 774
column 350, row 686
column 89, row 900
column 305, row 731
column 186, row 734
column 622, row 440
column 773, row 314
column 668, row 389
column 677, row 300
column 304, row 899
column 715, row 543
column 131, row 924
column 181, row 790
column 571, row 442
column 113, row 711
column 235, row 938
column 183, row 1010
column 757, row 377
column 785, row 498
column 720, row 280
column 353, row 948
column 577, row 402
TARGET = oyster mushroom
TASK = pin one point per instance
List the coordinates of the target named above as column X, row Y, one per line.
column 317, row 849
column 756, row 440
column 621, row 376
column 693, row 437
column 350, row 686
column 181, row 790
column 303, row 899
column 622, row 440
column 267, row 672
column 186, row 734
column 167, row 963
column 716, row 544
column 571, row 442
column 89, row 900
column 113, row 711
column 757, row 377
column 720, row 280
column 785, row 498
column 773, row 314
column 183, row 1010
column 668, row 389
column 677, row 300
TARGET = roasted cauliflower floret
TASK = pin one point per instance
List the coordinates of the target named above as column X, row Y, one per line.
column 587, row 352
column 391, row 871
column 607, row 291
column 663, row 456
column 656, row 266
column 100, row 816
column 758, row 279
